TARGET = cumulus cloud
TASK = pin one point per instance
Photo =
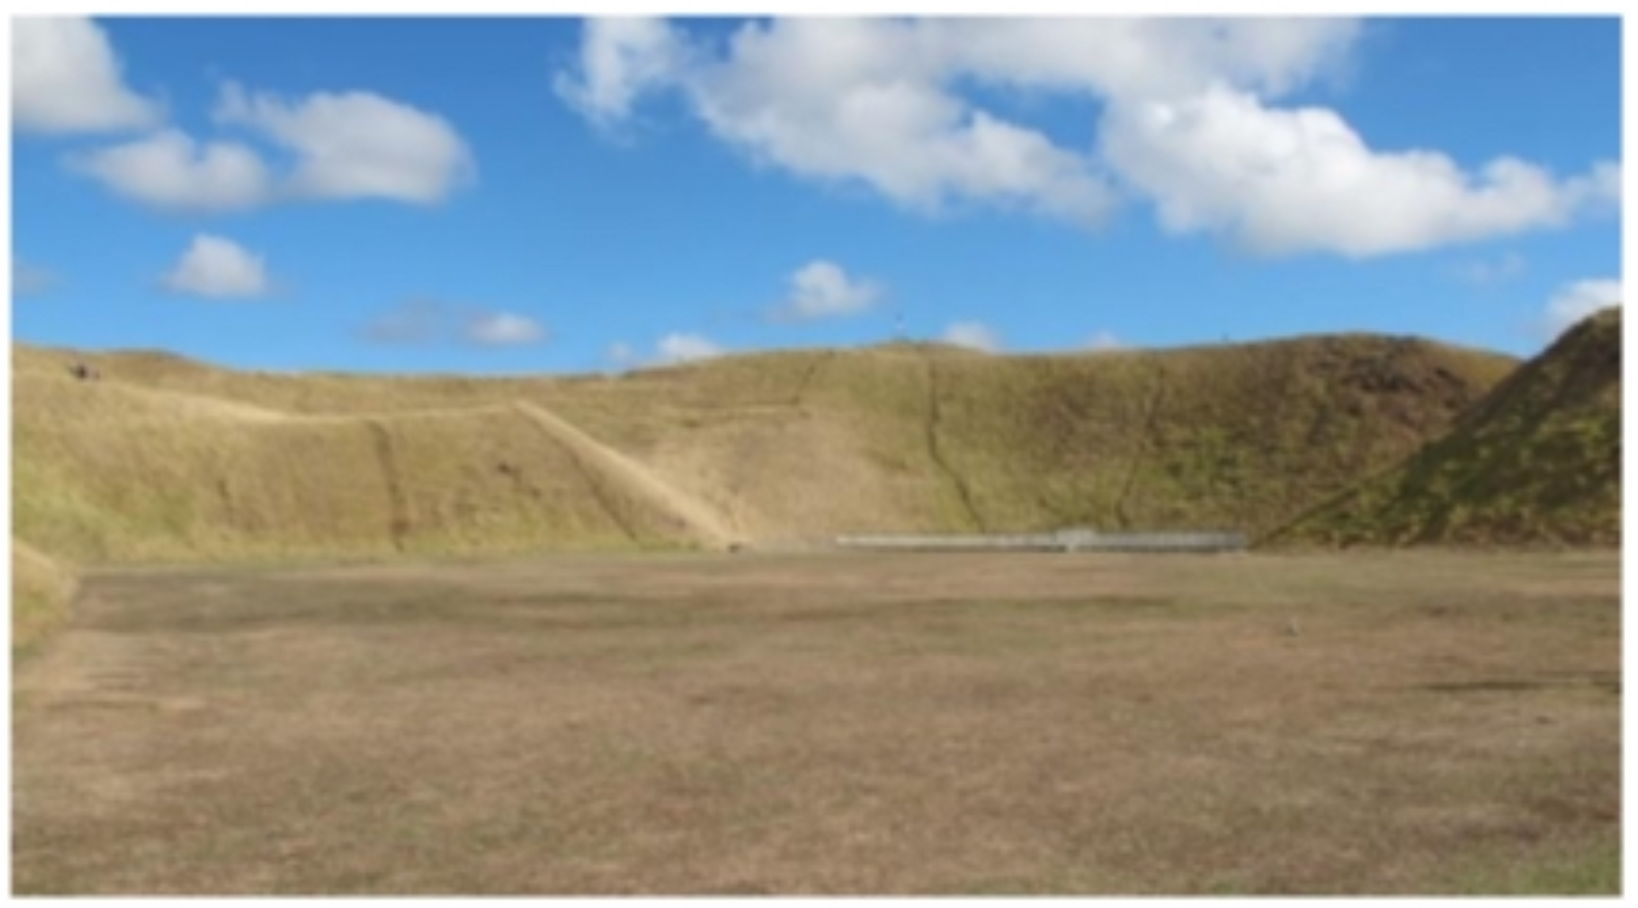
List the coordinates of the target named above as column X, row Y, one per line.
column 1576, row 301
column 972, row 335
column 355, row 144
column 869, row 101
column 822, row 289
column 1288, row 181
column 65, row 78
column 679, row 347
column 218, row 268
column 620, row 57
column 503, row 329
column 842, row 100
column 876, row 101
column 170, row 170
column 1187, row 123
column 29, row 279
column 344, row 146
column 1148, row 57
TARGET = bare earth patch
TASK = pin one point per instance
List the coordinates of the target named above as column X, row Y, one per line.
column 1382, row 723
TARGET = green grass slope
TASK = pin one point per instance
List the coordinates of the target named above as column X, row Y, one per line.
column 1231, row 437
column 1537, row 462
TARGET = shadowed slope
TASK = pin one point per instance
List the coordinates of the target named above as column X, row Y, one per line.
column 1537, row 461
column 1230, row 437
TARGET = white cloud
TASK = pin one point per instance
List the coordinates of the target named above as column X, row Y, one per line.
column 620, row 57
column 356, row 144
column 972, row 335
column 1104, row 341
column 886, row 103
column 680, row 348
column 1148, row 57
column 218, row 268
column 1506, row 267
column 66, row 78
column 822, row 289
column 346, row 146
column 876, row 100
column 1289, row 181
column 503, row 329
column 169, row 170
column 843, row 100
column 622, row 355
column 28, row 279
column 847, row 100
column 1576, row 301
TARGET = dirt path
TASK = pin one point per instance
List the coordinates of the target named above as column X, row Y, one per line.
column 703, row 522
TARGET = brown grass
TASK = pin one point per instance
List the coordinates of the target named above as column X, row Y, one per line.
column 42, row 590
column 831, row 724
column 171, row 460
column 111, row 472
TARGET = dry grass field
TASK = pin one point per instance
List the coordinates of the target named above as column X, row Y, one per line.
column 824, row 723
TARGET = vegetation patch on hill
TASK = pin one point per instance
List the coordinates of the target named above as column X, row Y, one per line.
column 1537, row 462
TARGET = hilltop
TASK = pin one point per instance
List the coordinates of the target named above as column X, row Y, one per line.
column 1537, row 461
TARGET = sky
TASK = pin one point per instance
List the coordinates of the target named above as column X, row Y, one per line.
column 553, row 194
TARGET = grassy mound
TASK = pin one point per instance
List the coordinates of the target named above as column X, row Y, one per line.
column 1537, row 462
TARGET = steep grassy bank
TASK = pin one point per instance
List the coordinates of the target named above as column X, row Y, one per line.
column 1537, row 462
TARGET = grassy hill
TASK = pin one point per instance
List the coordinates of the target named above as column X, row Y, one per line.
column 108, row 471
column 1538, row 461
column 169, row 459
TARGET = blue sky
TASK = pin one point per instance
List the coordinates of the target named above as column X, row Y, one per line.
column 547, row 194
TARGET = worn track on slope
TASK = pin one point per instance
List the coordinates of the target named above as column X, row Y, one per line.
column 700, row 520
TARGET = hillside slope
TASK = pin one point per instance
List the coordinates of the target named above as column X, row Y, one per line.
column 105, row 471
column 1538, row 461
column 167, row 459
column 41, row 590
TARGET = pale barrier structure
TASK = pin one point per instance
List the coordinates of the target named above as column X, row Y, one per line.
column 1076, row 540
